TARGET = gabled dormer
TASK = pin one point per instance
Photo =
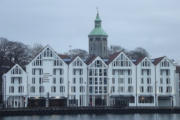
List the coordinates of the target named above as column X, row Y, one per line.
column 97, row 62
column 163, row 62
column 120, row 59
column 16, row 70
column 77, row 62
column 144, row 62
column 47, row 53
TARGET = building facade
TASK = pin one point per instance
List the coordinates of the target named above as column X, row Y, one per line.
column 51, row 80
column 15, row 89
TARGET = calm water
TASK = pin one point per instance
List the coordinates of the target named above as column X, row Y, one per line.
column 98, row 117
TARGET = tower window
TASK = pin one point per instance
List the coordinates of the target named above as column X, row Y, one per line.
column 91, row 39
column 98, row 39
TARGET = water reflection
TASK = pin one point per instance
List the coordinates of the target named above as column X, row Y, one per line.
column 97, row 117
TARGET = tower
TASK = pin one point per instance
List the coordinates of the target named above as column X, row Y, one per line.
column 98, row 39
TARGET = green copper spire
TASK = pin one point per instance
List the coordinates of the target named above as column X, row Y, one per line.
column 98, row 29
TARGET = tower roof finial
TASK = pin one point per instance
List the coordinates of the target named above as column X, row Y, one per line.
column 97, row 10
column 97, row 16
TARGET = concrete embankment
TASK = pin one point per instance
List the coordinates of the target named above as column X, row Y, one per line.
column 87, row 110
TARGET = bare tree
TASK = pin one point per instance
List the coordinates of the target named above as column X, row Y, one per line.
column 115, row 48
column 79, row 52
column 36, row 49
column 138, row 53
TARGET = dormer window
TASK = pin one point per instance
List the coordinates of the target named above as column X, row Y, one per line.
column 165, row 63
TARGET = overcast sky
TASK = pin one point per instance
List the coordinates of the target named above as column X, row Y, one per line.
column 151, row 24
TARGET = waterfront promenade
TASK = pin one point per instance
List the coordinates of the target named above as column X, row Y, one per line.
column 88, row 110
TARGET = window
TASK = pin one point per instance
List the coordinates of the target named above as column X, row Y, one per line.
column 96, row 81
column 40, row 71
column 74, row 71
column 142, row 72
column 113, row 80
column 32, row 89
column 165, row 63
column 33, row 71
column 148, row 72
column 54, row 80
column 168, row 81
column 105, row 81
column 77, row 63
column 142, row 81
column 141, row 89
column 90, row 81
column 61, row 72
column 33, row 80
column 167, row 72
column 100, row 89
column 161, row 80
column 53, row 89
column 100, row 81
column 130, row 89
column 20, row 80
column 90, row 89
column 129, row 72
column 113, row 72
column 96, row 89
column 105, row 89
column 74, row 80
column 47, row 53
column 54, row 71
column 90, row 72
column 61, row 81
column 40, row 80
column 121, row 89
column 41, row 89
column 20, row 89
column 146, row 99
column 160, row 89
column 149, row 89
column 120, row 80
column 11, row 89
column 12, row 80
column 129, row 80
column 16, row 70
column 112, row 89
column 80, row 71
column 81, row 89
column 169, row 89
column 105, row 72
column 62, row 89
column 73, row 89
column 146, row 63
column 58, row 63
column 148, row 80
column 98, row 63
column 100, row 72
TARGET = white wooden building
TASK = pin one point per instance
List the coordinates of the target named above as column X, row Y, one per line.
column 53, row 80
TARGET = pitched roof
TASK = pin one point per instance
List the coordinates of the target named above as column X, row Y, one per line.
column 139, row 60
column 157, row 60
column 113, row 56
column 65, row 58
column 90, row 59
